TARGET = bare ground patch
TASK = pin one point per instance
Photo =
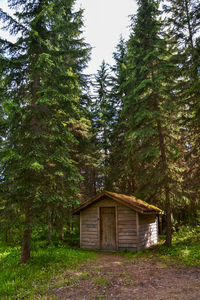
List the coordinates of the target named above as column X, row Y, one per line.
column 113, row 277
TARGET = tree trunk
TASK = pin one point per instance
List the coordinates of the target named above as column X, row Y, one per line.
column 165, row 172
column 168, row 241
column 6, row 236
column 167, row 197
column 160, row 225
column 94, row 182
column 50, row 227
column 25, row 251
column 61, row 235
column 68, row 225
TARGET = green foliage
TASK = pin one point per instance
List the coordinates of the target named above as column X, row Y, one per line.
column 150, row 134
column 27, row 281
column 42, row 108
column 119, row 171
column 183, row 27
column 185, row 249
column 104, row 110
column 187, row 234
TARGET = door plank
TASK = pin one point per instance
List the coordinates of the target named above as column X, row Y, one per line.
column 108, row 228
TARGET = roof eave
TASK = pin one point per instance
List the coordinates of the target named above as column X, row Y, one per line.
column 153, row 212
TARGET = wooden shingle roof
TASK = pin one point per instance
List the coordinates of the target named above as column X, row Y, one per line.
column 129, row 201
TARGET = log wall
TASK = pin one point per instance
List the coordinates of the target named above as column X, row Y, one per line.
column 89, row 228
column 127, row 231
column 148, row 231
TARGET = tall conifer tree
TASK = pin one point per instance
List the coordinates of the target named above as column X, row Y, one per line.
column 42, row 73
column 184, row 28
column 150, row 111
column 121, row 174
column 103, row 119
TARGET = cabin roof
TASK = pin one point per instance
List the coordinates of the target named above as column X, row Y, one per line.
column 129, row 201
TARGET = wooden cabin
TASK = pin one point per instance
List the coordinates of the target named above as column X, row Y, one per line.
column 112, row 221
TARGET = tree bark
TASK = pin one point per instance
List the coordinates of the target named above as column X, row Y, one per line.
column 168, row 241
column 25, row 251
column 61, row 235
column 50, row 228
column 6, row 236
column 94, row 182
column 165, row 171
column 68, row 225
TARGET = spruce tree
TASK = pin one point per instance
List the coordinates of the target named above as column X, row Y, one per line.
column 151, row 112
column 119, row 74
column 184, row 24
column 88, row 148
column 121, row 175
column 42, row 72
column 103, row 115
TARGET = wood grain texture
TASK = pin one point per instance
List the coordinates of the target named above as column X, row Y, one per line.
column 127, row 233
column 117, row 233
column 148, row 231
column 89, row 228
column 108, row 228
column 80, row 229
column 137, row 231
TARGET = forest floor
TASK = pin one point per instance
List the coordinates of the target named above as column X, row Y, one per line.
column 115, row 277
column 67, row 272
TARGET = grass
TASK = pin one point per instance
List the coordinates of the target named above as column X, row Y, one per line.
column 129, row 282
column 185, row 249
column 101, row 281
column 85, row 275
column 18, row 281
column 100, row 297
column 126, row 275
column 53, row 266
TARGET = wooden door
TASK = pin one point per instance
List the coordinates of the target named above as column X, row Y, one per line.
column 107, row 228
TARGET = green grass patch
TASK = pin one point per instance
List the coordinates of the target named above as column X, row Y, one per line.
column 19, row 281
column 85, row 275
column 129, row 282
column 100, row 281
column 185, row 249
column 100, row 297
column 126, row 275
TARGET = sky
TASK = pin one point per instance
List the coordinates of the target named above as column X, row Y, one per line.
column 104, row 22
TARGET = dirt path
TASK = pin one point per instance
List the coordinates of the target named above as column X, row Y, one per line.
column 113, row 277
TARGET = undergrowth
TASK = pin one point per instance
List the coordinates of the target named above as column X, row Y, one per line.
column 185, row 249
column 18, row 281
